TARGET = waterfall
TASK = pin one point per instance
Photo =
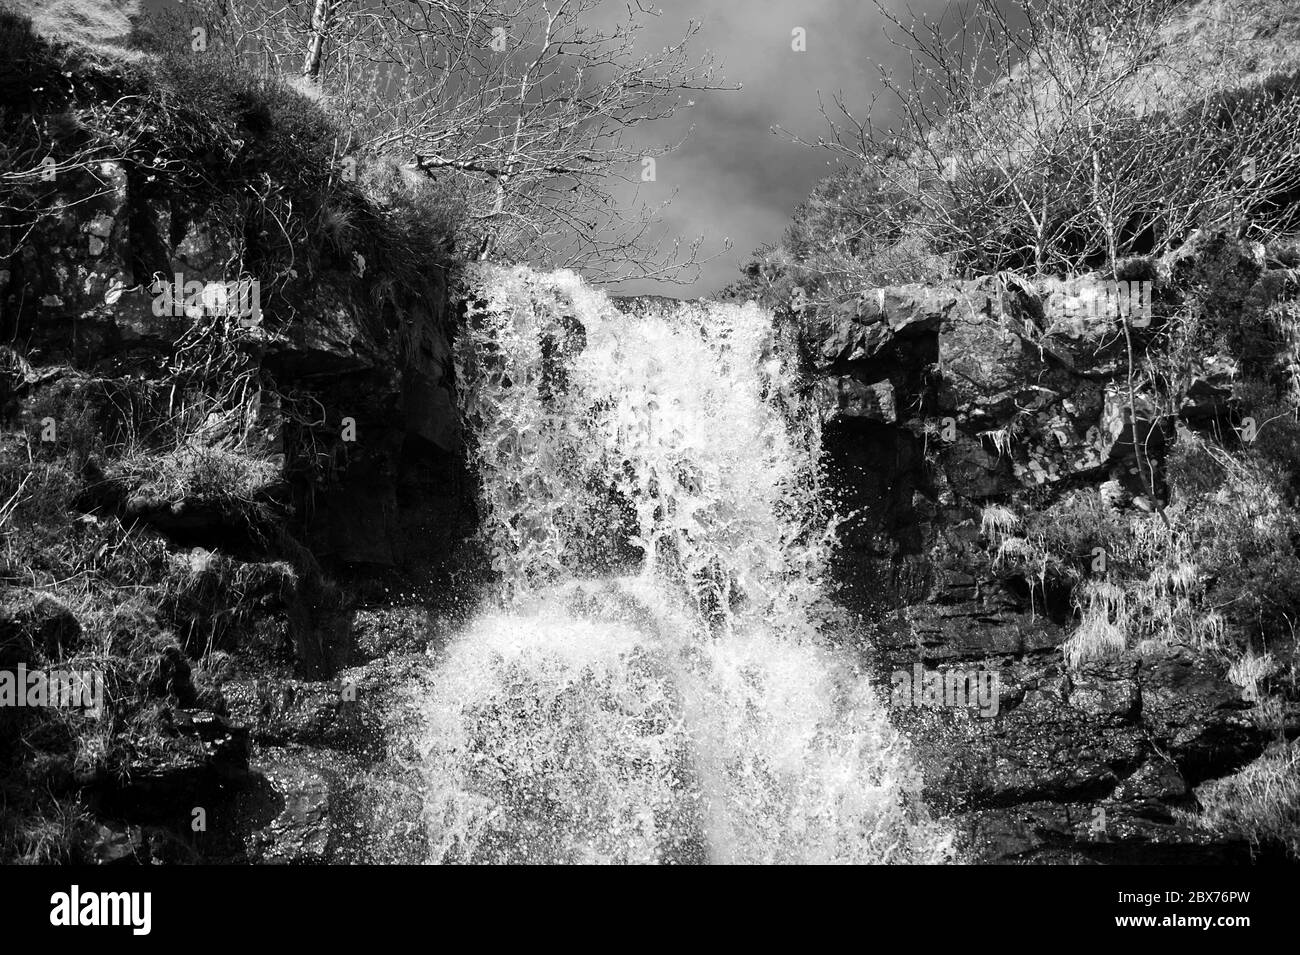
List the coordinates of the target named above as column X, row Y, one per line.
column 657, row 678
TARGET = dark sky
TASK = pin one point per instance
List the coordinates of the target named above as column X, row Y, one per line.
column 734, row 178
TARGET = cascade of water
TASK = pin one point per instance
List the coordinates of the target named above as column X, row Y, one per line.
column 653, row 685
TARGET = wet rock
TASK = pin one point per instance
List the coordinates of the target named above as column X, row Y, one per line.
column 1120, row 435
column 286, row 810
column 974, row 629
column 347, row 713
column 1019, row 397
column 276, row 711
column 981, row 352
column 1157, row 780
column 1107, row 691
column 1198, row 716
column 359, row 521
column 1088, row 833
column 380, row 632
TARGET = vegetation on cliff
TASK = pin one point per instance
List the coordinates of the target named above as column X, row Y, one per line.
column 530, row 113
column 230, row 244
column 1099, row 492
column 169, row 478
column 1055, row 138
column 1139, row 142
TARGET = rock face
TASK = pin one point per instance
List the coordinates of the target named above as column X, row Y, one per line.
column 268, row 495
column 375, row 378
column 942, row 405
column 316, row 474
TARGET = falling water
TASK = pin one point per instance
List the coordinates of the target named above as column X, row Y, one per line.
column 654, row 681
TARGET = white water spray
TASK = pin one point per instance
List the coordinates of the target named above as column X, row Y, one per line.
column 654, row 683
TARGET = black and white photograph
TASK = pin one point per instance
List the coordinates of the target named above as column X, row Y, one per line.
column 616, row 432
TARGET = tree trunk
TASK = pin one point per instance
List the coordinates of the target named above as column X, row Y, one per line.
column 319, row 25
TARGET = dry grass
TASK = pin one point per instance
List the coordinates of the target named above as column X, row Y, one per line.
column 1260, row 803
column 197, row 474
column 212, row 601
column 1250, row 671
column 132, row 599
column 1000, row 438
column 99, row 24
column 997, row 521
column 49, row 838
column 1105, row 624
column 1221, row 578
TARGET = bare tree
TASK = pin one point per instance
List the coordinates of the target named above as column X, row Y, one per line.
column 1057, row 138
column 320, row 25
column 532, row 107
column 1062, row 140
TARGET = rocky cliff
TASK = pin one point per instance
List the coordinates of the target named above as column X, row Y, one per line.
column 1003, row 493
column 1070, row 501
column 241, row 510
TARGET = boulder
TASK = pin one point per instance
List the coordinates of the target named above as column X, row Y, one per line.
column 286, row 811
column 847, row 397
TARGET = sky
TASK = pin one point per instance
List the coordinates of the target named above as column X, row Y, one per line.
column 734, row 178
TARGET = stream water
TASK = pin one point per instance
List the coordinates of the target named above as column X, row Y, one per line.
column 656, row 678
